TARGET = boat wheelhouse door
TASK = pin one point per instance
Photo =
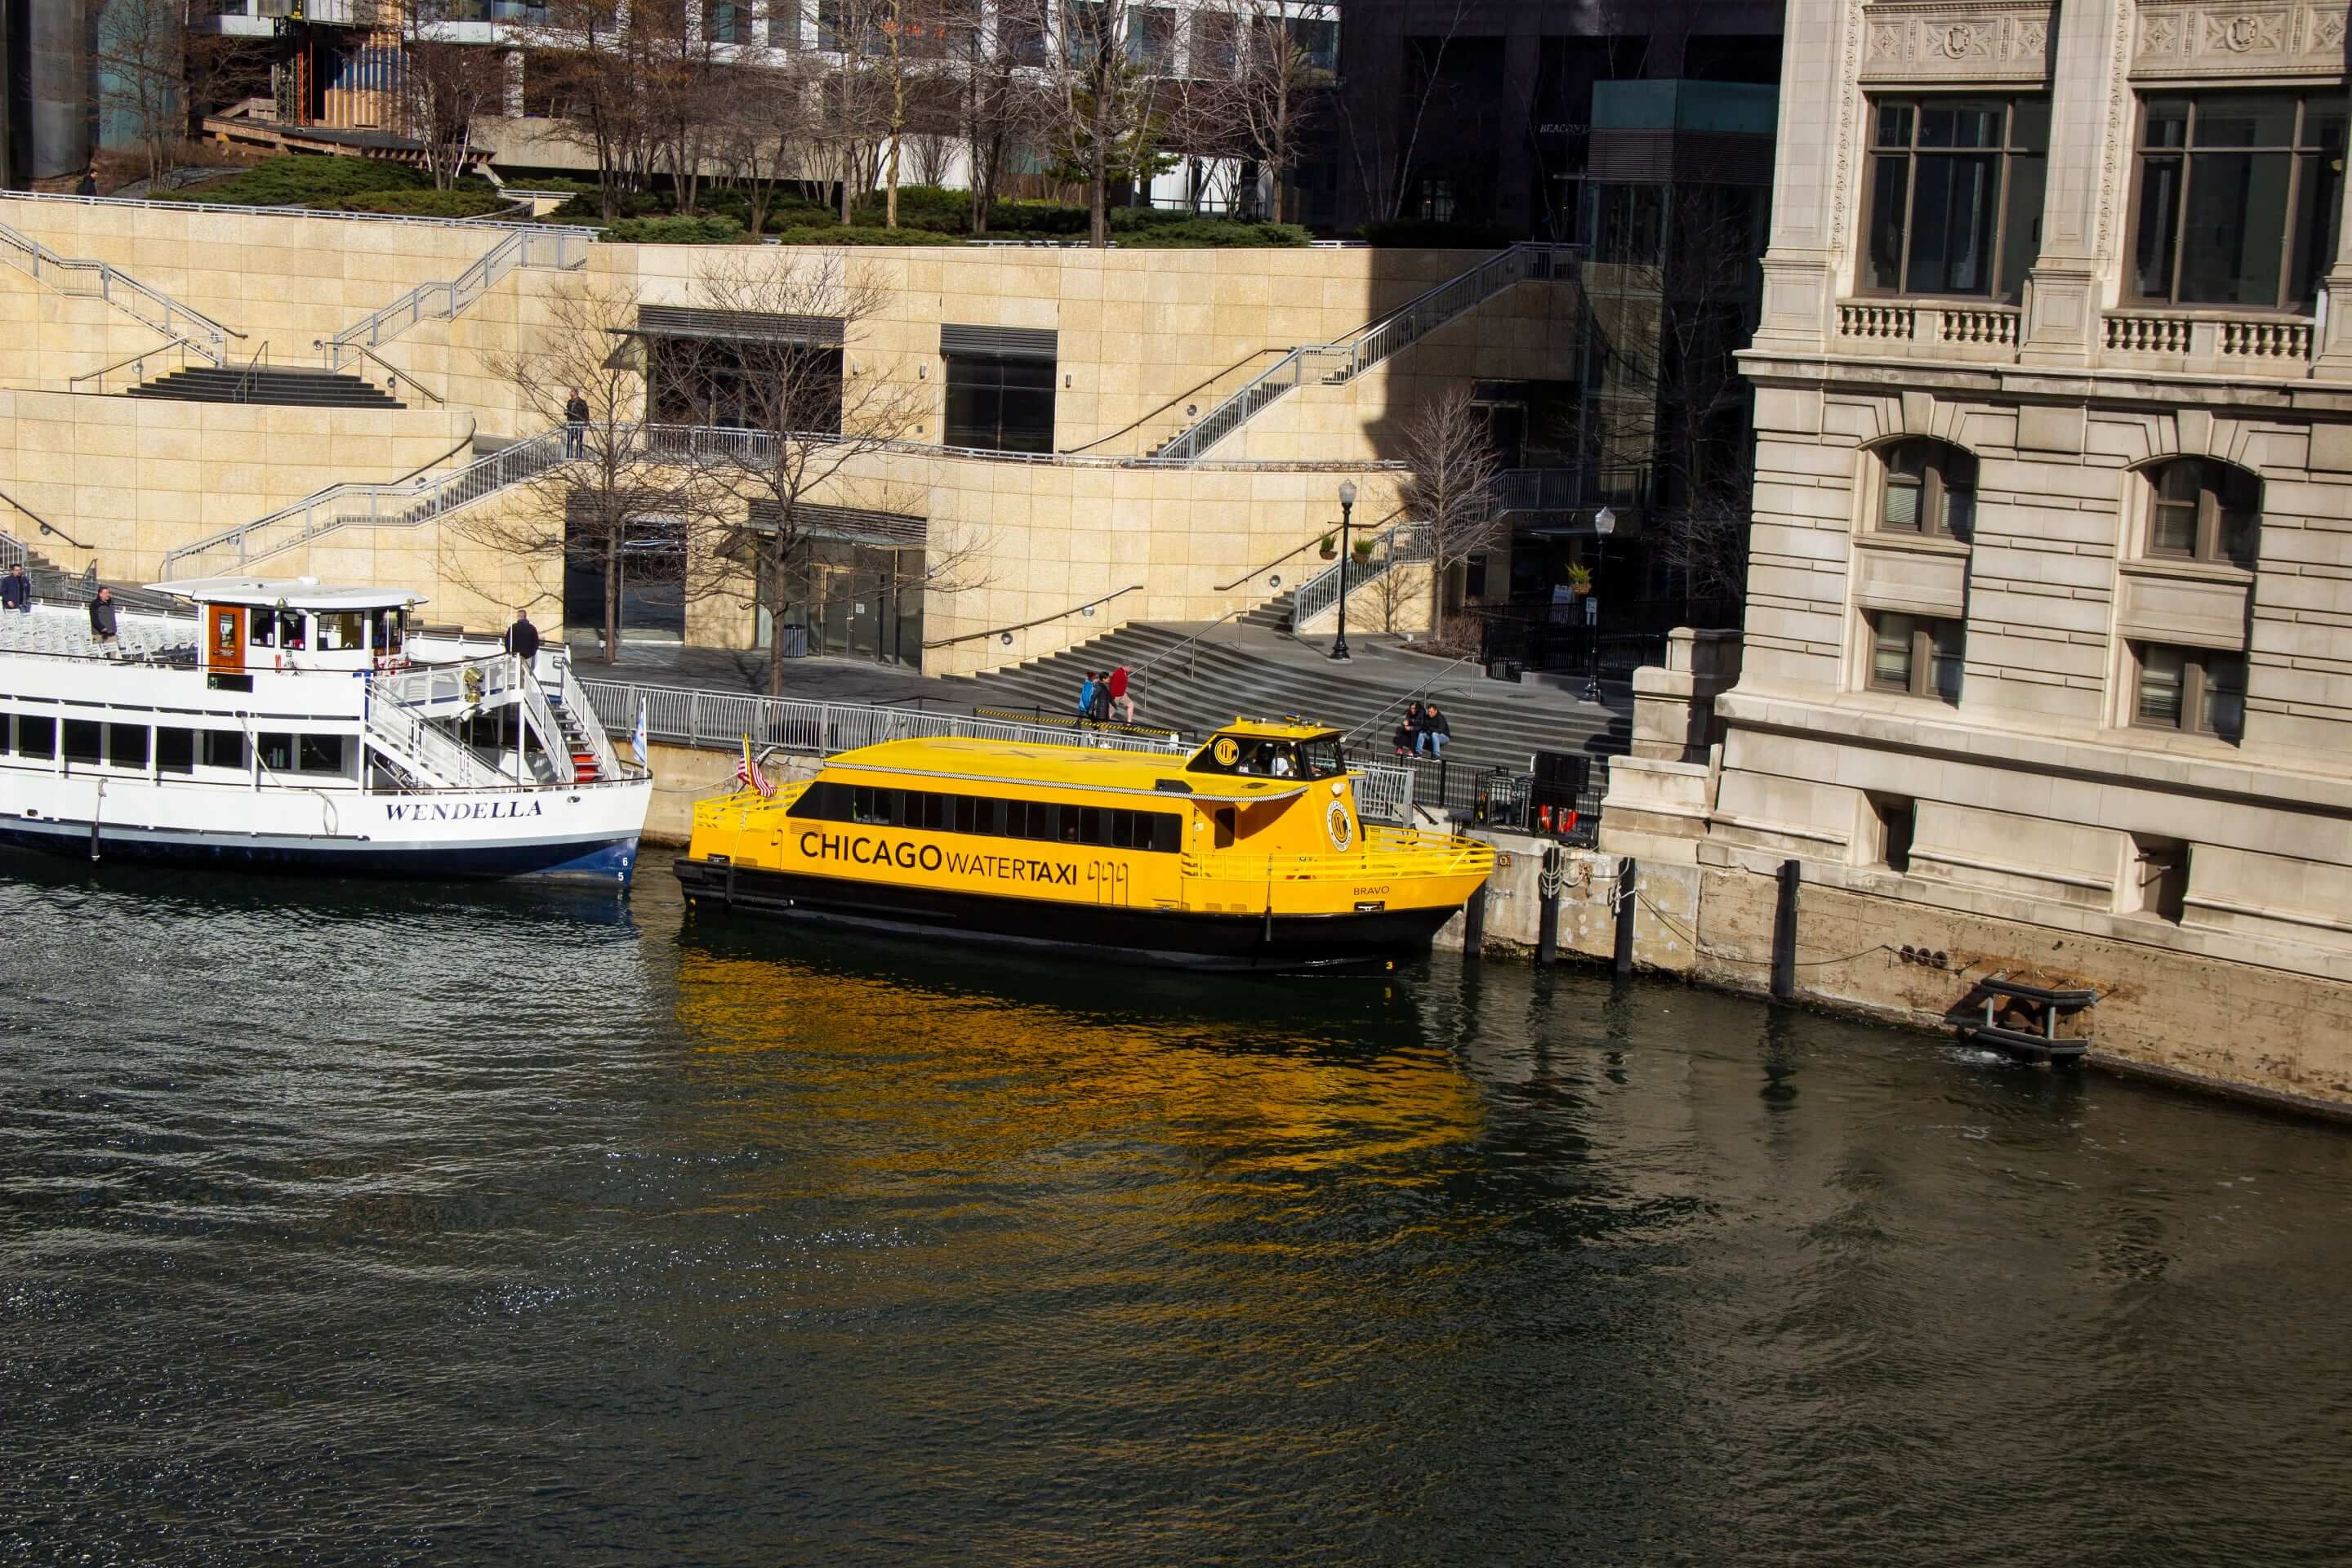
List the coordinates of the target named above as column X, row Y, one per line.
column 224, row 646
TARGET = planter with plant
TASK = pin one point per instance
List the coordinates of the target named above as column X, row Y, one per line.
column 1331, row 546
column 1580, row 580
column 1364, row 548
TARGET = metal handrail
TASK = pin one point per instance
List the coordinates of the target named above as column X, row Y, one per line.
column 1104, row 440
column 33, row 257
column 1319, row 591
column 1041, row 620
column 253, row 366
column 1343, row 359
column 177, row 345
column 1400, row 703
column 393, row 374
column 191, row 205
column 515, row 250
column 47, row 527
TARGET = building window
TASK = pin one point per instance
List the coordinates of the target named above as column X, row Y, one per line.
column 1000, row 404
column 723, row 23
column 784, row 25
column 1151, row 40
column 1931, row 490
column 1916, row 656
column 1954, row 194
column 2199, row 691
column 2240, row 194
column 2204, row 510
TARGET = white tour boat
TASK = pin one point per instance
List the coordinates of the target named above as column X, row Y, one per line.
column 291, row 725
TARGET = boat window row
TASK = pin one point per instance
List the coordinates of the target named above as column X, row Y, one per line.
column 1046, row 821
column 330, row 631
column 174, row 749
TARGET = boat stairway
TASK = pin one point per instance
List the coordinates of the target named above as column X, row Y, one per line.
column 586, row 768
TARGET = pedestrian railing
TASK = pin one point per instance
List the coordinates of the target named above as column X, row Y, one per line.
column 561, row 249
column 100, row 280
column 723, row 721
column 1397, row 546
column 1335, row 363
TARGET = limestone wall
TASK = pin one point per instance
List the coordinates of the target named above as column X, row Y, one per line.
column 133, row 478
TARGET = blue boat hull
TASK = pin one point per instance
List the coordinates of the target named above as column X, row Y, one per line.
column 608, row 862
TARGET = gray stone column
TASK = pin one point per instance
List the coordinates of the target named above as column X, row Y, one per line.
column 2089, row 182
column 2334, row 349
column 1816, row 178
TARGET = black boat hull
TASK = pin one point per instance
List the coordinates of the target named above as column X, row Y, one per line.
column 1367, row 942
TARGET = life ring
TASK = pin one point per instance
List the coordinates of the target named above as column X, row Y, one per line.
column 1337, row 824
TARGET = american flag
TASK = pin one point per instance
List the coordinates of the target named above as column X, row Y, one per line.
column 748, row 773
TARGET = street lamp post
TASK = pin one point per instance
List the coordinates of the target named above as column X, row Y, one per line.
column 1346, row 512
column 1605, row 523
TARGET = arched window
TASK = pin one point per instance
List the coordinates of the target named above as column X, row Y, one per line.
column 1930, row 490
column 2204, row 510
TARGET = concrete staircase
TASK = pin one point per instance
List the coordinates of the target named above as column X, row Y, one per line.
column 263, row 383
column 1256, row 671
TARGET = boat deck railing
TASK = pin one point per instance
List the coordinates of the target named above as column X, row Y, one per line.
column 1384, row 852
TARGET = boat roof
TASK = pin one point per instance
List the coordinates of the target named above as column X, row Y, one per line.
column 295, row 592
column 1065, row 767
column 1278, row 729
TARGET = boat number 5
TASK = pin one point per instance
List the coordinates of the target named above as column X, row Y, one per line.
column 1335, row 822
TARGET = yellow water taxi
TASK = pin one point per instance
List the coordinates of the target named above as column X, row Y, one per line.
column 1249, row 853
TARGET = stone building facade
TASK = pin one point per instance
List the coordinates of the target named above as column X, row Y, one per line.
column 2048, row 650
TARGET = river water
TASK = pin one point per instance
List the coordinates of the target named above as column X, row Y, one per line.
column 412, row 1225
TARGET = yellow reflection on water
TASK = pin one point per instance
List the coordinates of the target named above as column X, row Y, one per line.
column 995, row 1065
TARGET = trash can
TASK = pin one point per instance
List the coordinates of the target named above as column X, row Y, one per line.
column 795, row 641
column 1510, row 669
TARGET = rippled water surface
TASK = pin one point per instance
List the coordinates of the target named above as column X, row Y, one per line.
column 411, row 1226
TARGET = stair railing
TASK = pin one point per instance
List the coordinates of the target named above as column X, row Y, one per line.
column 441, row 301
column 1336, row 362
column 576, row 701
column 175, row 352
column 1399, row 544
column 404, row 504
column 100, row 280
column 254, row 365
column 393, row 375
column 419, row 747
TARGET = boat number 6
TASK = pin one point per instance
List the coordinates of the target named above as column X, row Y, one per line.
column 1335, row 822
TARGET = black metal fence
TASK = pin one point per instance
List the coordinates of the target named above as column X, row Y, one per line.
column 1558, row 805
column 1535, row 644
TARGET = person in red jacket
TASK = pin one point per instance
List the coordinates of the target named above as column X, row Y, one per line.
column 1119, row 696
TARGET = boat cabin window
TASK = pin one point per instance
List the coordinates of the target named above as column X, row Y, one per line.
column 37, row 735
column 225, row 749
column 1266, row 757
column 343, row 631
column 1044, row 821
column 175, row 749
column 81, row 740
column 276, row 628
column 391, row 631
column 126, row 745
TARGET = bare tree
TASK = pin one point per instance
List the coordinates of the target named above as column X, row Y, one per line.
column 810, row 425
column 606, row 495
column 767, row 135
column 1107, row 119
column 141, row 49
column 596, row 67
column 1386, row 155
column 443, row 87
column 987, row 65
column 1267, row 103
column 1449, row 496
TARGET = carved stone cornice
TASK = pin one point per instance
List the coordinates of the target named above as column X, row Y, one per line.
column 1943, row 42
column 2191, row 40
